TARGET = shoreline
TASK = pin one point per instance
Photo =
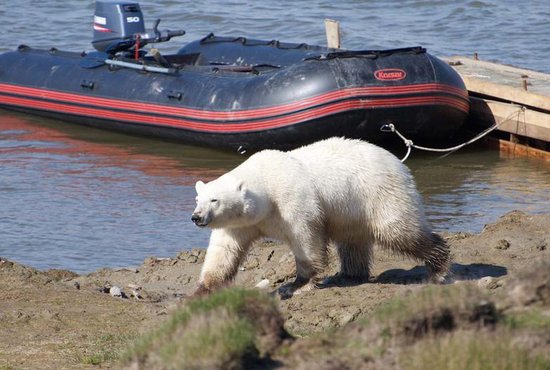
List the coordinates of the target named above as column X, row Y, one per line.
column 54, row 318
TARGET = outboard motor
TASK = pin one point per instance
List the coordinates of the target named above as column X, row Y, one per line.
column 119, row 25
column 116, row 22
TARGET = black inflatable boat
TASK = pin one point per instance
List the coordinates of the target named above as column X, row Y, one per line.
column 233, row 93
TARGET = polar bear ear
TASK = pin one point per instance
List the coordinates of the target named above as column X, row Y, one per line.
column 199, row 185
column 240, row 186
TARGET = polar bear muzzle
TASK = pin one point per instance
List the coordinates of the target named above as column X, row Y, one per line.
column 200, row 221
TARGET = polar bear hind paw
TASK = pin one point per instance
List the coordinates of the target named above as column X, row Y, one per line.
column 295, row 288
column 342, row 280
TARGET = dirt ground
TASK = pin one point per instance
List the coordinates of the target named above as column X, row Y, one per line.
column 60, row 320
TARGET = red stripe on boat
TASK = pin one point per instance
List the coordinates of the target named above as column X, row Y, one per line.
column 263, row 124
column 460, row 101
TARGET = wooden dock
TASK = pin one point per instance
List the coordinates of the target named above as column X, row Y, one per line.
column 517, row 98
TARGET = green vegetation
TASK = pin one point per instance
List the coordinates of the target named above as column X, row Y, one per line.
column 533, row 319
column 107, row 348
column 450, row 327
column 434, row 308
column 222, row 331
column 470, row 350
column 437, row 327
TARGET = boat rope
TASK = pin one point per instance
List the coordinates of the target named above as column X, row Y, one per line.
column 390, row 127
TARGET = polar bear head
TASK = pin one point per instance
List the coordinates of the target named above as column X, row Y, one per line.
column 227, row 203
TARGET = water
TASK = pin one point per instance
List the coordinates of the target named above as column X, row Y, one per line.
column 507, row 31
column 77, row 198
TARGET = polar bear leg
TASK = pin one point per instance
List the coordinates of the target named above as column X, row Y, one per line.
column 355, row 259
column 432, row 249
column 226, row 250
column 423, row 245
column 437, row 258
column 311, row 258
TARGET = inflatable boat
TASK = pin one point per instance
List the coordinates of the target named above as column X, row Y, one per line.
column 232, row 92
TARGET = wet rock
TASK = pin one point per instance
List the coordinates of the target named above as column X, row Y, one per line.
column 489, row 282
column 135, row 294
column 263, row 284
column 115, row 291
column 135, row 291
column 105, row 288
column 503, row 244
column 456, row 236
column 484, row 281
column 192, row 256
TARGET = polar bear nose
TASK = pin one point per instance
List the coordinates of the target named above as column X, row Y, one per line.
column 195, row 218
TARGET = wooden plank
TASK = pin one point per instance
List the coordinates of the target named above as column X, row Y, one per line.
column 524, row 122
column 510, row 149
column 511, row 94
column 332, row 29
column 504, row 82
column 468, row 62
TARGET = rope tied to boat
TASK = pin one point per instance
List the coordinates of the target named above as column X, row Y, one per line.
column 390, row 127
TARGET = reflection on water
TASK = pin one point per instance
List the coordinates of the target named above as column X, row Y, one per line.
column 78, row 198
column 81, row 204
column 471, row 188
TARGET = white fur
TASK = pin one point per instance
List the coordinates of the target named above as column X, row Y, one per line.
column 346, row 192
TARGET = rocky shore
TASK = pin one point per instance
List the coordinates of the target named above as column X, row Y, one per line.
column 57, row 319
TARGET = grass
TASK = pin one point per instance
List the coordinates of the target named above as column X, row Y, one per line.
column 429, row 299
column 437, row 327
column 220, row 331
column 533, row 319
column 106, row 348
column 452, row 327
column 470, row 350
column 220, row 341
column 433, row 308
column 447, row 328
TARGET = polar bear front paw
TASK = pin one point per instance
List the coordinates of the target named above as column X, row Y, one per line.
column 201, row 291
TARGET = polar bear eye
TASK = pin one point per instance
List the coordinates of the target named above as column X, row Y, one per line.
column 213, row 200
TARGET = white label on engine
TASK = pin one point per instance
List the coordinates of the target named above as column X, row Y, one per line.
column 132, row 19
column 100, row 20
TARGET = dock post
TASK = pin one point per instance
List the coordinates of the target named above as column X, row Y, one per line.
column 332, row 29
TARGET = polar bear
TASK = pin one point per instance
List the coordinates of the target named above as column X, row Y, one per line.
column 348, row 193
